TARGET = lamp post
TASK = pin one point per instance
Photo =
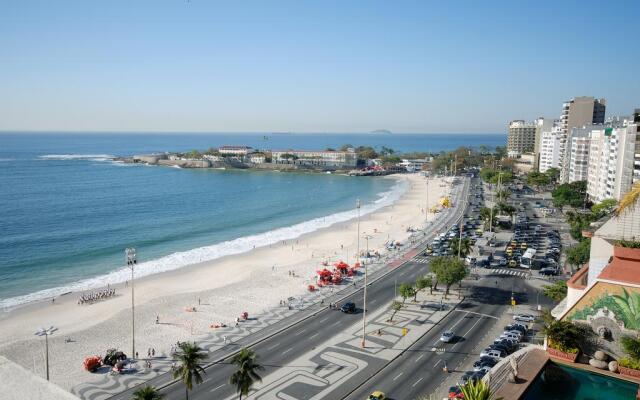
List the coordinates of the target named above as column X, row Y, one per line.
column 130, row 254
column 364, row 300
column 426, row 209
column 358, row 239
column 46, row 332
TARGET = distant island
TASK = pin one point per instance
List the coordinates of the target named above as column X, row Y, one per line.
column 381, row 132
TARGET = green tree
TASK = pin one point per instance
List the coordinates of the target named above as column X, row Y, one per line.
column 366, row 153
column 406, row 291
column 386, row 151
column 194, row 154
column 449, row 270
column 605, row 207
column 422, row 283
column 147, row 393
column 500, row 152
column 537, row 179
column 246, row 373
column 395, row 306
column 190, row 357
column 346, row 147
column 464, row 245
column 505, row 208
column 570, row 194
column 553, row 174
column 556, row 291
column 579, row 255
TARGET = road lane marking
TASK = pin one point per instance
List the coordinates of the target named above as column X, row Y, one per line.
column 274, row 346
column 418, row 359
column 287, row 350
column 418, row 381
column 314, row 335
column 472, row 326
column 452, row 326
column 398, row 376
column 436, row 364
column 216, row 388
column 323, row 319
column 335, row 323
column 301, row 332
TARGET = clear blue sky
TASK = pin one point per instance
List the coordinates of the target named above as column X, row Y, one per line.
column 322, row 66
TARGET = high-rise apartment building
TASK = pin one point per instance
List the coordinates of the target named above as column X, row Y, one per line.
column 577, row 154
column 576, row 113
column 521, row 138
column 542, row 125
column 614, row 159
column 550, row 149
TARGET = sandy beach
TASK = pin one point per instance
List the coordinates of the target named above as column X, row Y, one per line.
column 219, row 290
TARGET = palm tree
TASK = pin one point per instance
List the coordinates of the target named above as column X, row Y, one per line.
column 147, row 393
column 190, row 357
column 465, row 246
column 477, row 390
column 247, row 372
column 630, row 199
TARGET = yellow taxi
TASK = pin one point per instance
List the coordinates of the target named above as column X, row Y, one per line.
column 377, row 395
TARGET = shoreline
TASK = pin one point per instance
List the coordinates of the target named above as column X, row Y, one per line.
column 118, row 276
column 252, row 281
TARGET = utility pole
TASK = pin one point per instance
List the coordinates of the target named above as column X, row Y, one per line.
column 364, row 301
column 358, row 239
column 426, row 209
column 130, row 254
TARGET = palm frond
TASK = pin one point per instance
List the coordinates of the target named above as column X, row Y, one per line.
column 629, row 200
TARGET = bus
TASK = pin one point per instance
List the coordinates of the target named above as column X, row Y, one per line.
column 527, row 258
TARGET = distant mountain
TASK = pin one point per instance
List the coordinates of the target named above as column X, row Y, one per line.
column 381, row 132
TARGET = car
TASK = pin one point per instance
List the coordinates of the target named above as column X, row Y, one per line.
column 511, row 345
column 484, row 363
column 491, row 353
column 549, row 271
column 348, row 308
column 524, row 317
column 516, row 332
column 470, row 376
column 515, row 327
column 508, row 335
column 377, row 395
column 447, row 336
column 504, row 351
column 454, row 392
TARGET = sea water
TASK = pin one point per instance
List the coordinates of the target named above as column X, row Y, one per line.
column 67, row 212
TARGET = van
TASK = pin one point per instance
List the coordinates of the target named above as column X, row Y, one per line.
column 470, row 260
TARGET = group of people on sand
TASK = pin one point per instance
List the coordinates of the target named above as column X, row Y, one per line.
column 96, row 296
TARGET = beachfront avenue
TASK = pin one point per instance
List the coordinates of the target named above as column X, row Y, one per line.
column 320, row 356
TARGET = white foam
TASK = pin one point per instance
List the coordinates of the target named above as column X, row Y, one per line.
column 93, row 157
column 236, row 246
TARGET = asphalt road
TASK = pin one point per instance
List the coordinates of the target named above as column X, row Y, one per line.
column 284, row 347
column 419, row 370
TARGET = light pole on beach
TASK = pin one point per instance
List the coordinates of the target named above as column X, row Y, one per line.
column 46, row 332
column 364, row 300
column 426, row 210
column 130, row 254
column 358, row 240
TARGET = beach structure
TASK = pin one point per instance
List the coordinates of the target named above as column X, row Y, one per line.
column 313, row 158
column 236, row 150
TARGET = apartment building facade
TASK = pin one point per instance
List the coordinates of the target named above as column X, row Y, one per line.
column 549, row 156
column 577, row 154
column 576, row 113
column 311, row 158
column 521, row 138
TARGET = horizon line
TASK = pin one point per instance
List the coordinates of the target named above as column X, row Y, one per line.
column 120, row 132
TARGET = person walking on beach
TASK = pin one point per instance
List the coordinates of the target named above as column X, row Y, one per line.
column 153, row 352
column 157, row 319
column 224, row 338
column 198, row 300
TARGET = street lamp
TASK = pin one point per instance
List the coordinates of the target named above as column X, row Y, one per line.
column 358, row 240
column 364, row 301
column 46, row 332
column 130, row 254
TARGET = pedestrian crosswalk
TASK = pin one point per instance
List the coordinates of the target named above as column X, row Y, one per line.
column 421, row 260
column 512, row 272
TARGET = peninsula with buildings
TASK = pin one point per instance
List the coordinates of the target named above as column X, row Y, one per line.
column 361, row 161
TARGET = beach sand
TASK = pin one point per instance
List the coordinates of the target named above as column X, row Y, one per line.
column 252, row 282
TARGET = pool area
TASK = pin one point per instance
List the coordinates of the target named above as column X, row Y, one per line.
column 560, row 382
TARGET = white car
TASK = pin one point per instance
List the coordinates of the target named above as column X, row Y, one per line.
column 515, row 332
column 490, row 353
column 508, row 335
column 447, row 336
column 524, row 317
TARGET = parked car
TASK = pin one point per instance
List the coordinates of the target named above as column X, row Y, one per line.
column 484, row 362
column 447, row 336
column 509, row 335
column 348, row 308
column 377, row 395
column 490, row 353
column 548, row 271
column 524, row 317
column 512, row 327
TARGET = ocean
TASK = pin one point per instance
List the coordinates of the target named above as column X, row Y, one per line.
column 67, row 212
